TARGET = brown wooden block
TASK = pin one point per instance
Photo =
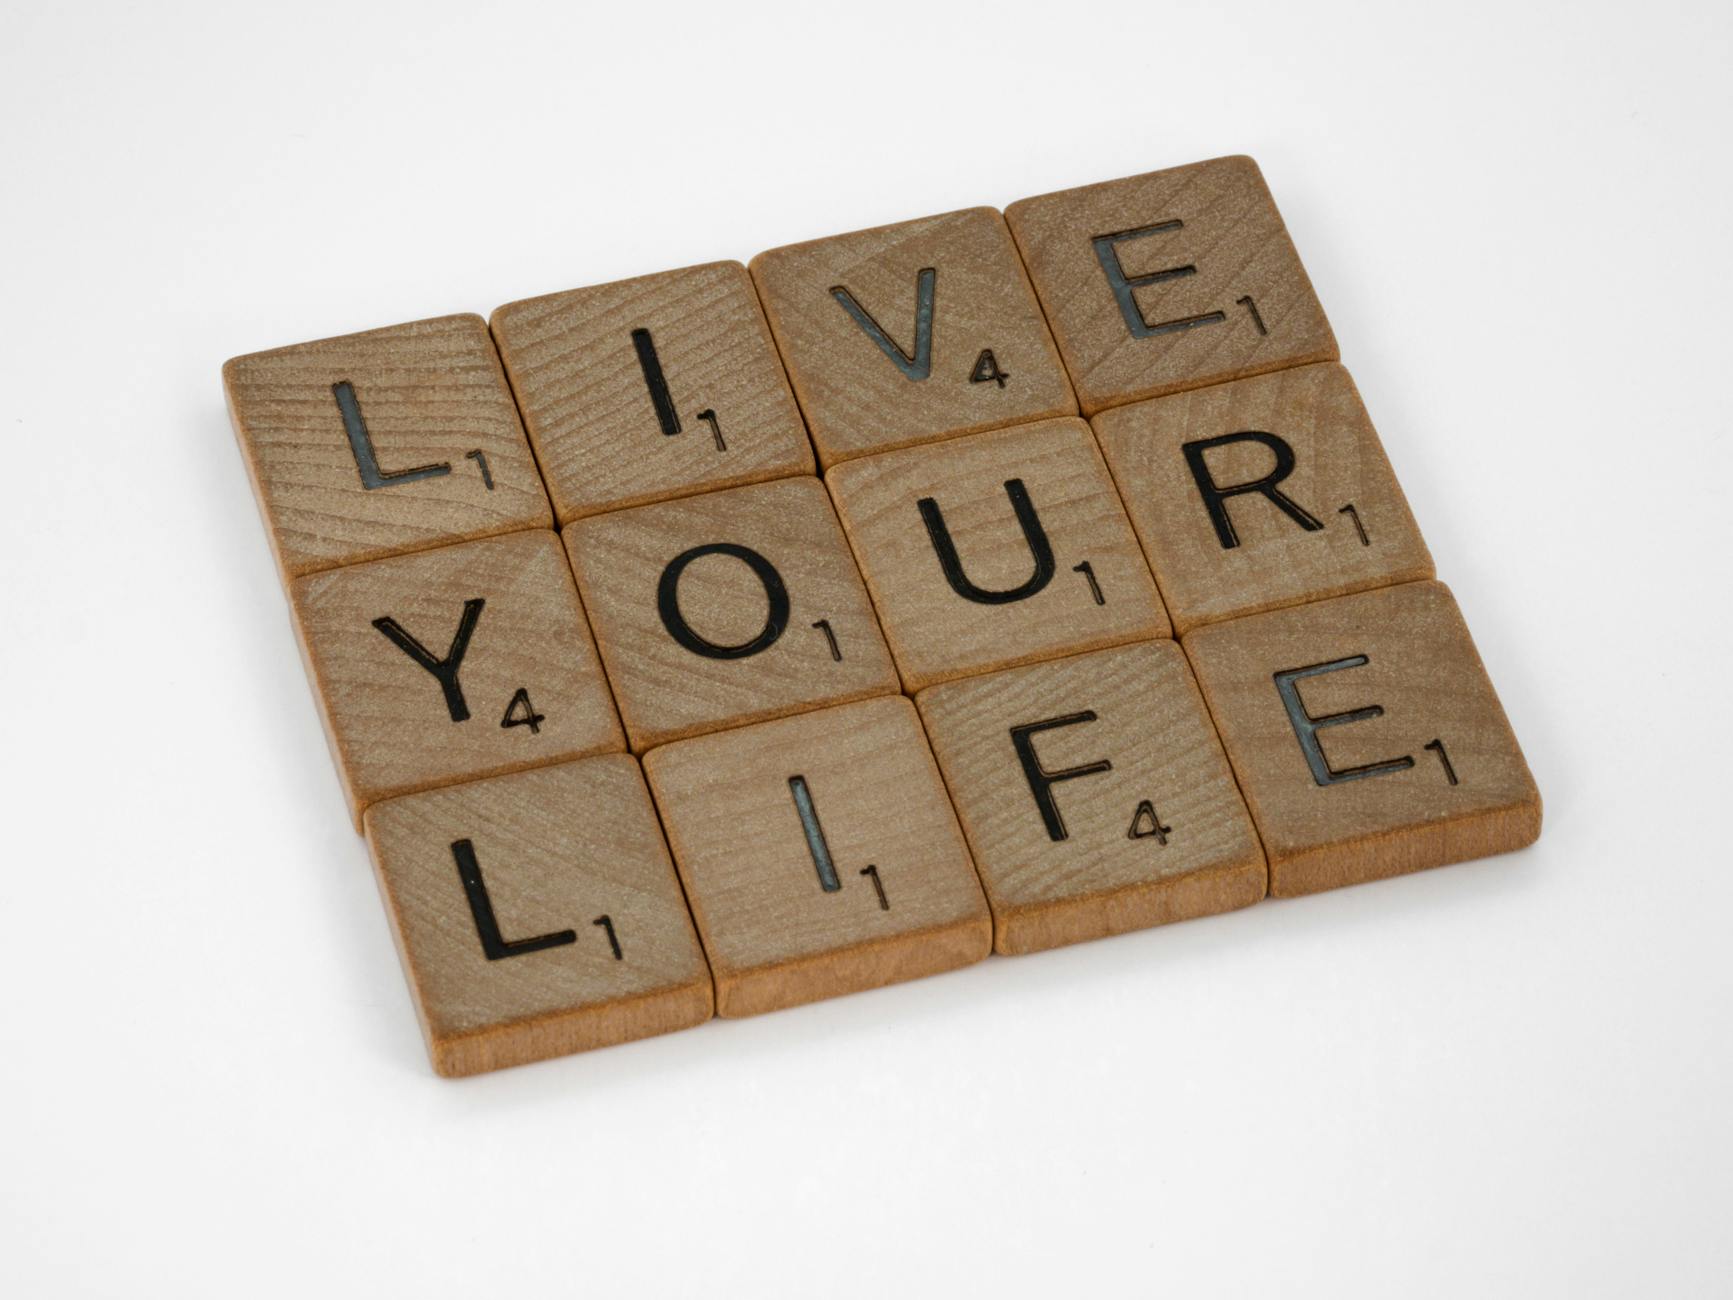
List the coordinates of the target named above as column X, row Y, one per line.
column 383, row 443
column 1095, row 796
column 1261, row 493
column 1170, row 280
column 995, row 550
column 537, row 914
column 911, row 333
column 1366, row 737
column 651, row 388
column 464, row 662
column 728, row 608
column 820, row 855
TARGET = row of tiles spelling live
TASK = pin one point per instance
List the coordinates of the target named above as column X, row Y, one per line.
column 399, row 439
column 1232, row 483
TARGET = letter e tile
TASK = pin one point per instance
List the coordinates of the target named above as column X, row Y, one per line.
column 1171, row 280
column 1366, row 737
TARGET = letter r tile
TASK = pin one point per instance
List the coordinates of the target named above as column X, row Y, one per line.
column 996, row 549
column 1260, row 493
column 911, row 333
column 537, row 914
column 1366, row 737
column 382, row 443
column 1171, row 280
column 820, row 855
column 651, row 388
column 452, row 664
column 727, row 608
column 1094, row 794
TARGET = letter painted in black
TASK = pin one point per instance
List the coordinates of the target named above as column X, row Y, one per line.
column 361, row 444
column 481, row 908
column 919, row 365
column 1141, row 327
column 1041, row 781
column 1306, row 727
column 1215, row 495
column 668, row 602
column 444, row 670
column 656, row 382
column 814, row 832
column 952, row 564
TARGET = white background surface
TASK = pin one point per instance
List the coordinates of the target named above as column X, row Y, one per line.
column 1510, row 1078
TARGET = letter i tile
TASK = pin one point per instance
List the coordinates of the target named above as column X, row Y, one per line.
column 452, row 664
column 1094, row 794
column 537, row 914
column 820, row 855
column 651, row 388
column 1366, row 737
column 996, row 549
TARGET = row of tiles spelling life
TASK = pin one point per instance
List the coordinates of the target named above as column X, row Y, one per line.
column 691, row 626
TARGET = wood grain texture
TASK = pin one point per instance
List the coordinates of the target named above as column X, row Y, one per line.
column 666, row 689
column 1440, row 776
column 587, row 403
column 392, row 727
column 774, row 934
column 431, row 396
column 1353, row 530
column 1213, row 238
column 1159, row 835
column 856, row 396
column 935, row 632
column 570, row 850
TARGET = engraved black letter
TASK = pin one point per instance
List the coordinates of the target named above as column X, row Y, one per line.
column 444, row 670
column 1122, row 285
column 1041, row 782
column 668, row 602
column 1306, row 727
column 1215, row 495
column 361, row 444
column 920, row 365
column 486, row 924
column 1033, row 534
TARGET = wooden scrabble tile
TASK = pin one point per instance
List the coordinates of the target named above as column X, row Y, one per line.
column 383, row 443
column 452, row 664
column 911, row 333
column 1366, row 737
column 1095, row 796
column 996, row 549
column 537, row 914
column 728, row 608
column 651, row 388
column 1261, row 493
column 820, row 855
column 1170, row 280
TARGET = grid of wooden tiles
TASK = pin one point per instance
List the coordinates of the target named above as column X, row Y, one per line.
column 645, row 721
